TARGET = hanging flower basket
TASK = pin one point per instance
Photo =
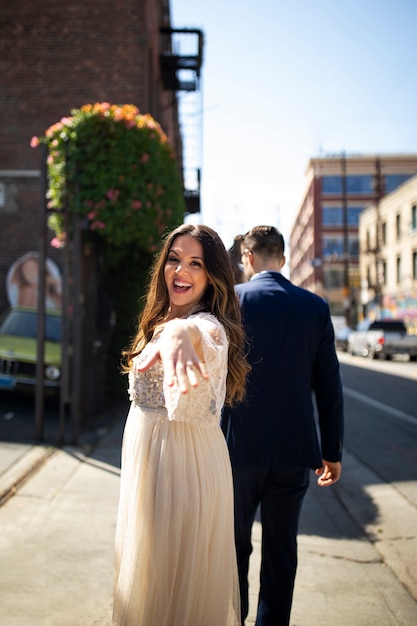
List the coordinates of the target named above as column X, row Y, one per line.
column 114, row 167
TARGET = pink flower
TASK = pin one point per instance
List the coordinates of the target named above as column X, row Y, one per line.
column 113, row 194
column 144, row 158
column 136, row 204
column 92, row 215
column 58, row 242
column 97, row 225
column 55, row 243
column 55, row 128
column 34, row 142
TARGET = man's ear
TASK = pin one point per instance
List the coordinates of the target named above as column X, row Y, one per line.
column 251, row 258
column 283, row 261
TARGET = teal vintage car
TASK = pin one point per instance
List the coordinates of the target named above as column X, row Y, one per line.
column 18, row 349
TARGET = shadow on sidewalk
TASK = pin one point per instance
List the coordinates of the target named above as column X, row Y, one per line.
column 17, row 421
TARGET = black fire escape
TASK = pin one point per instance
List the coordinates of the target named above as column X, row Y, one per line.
column 181, row 58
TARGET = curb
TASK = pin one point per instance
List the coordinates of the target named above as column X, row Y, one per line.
column 21, row 471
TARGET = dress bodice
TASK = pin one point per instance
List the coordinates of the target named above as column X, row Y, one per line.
column 202, row 403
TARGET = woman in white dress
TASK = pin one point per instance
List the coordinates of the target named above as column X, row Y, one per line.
column 175, row 550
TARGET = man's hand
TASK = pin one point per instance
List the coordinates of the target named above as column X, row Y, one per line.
column 329, row 473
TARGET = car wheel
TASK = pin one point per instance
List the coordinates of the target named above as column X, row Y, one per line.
column 371, row 353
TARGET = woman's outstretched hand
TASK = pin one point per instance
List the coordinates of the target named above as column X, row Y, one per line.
column 179, row 349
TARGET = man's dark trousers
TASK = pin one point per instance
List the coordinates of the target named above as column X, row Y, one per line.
column 278, row 489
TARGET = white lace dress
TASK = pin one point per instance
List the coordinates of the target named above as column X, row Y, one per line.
column 175, row 550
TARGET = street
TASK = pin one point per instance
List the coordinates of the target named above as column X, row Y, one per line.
column 370, row 517
column 377, row 492
column 357, row 542
column 381, row 419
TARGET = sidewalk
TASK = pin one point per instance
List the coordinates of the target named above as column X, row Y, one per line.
column 57, row 533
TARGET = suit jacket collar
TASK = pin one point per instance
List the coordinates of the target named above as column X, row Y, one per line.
column 264, row 273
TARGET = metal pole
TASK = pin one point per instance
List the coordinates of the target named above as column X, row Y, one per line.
column 64, row 397
column 77, row 331
column 345, row 239
column 40, row 347
column 378, row 244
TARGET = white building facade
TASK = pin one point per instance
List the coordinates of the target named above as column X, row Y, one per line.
column 388, row 256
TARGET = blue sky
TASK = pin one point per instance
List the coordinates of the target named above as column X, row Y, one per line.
column 287, row 80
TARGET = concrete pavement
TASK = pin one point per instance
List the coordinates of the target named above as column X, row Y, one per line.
column 57, row 531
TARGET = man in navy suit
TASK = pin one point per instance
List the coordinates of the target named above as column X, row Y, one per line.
column 272, row 436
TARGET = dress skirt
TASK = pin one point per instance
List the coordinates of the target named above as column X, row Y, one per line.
column 175, row 549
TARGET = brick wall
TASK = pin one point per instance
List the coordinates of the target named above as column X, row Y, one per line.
column 56, row 55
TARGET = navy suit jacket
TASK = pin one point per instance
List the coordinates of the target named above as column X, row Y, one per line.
column 292, row 353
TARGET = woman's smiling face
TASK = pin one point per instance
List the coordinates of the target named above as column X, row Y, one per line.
column 185, row 274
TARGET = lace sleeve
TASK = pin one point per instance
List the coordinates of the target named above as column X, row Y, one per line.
column 205, row 401
column 213, row 337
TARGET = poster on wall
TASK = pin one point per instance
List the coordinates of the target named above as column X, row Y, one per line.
column 23, row 279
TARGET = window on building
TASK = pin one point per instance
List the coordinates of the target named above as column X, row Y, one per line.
column 414, row 264
column 333, row 278
column 333, row 246
column 392, row 181
column 384, row 233
column 368, row 240
column 398, row 225
column 368, row 276
column 331, row 184
column 333, row 215
column 384, row 272
column 398, row 269
column 353, row 246
column 361, row 184
column 414, row 217
column 353, row 215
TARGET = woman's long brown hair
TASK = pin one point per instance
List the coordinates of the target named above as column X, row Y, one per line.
column 219, row 299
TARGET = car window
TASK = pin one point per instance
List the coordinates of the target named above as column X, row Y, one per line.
column 53, row 328
column 24, row 324
column 394, row 326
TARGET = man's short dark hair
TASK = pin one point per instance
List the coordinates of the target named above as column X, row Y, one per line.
column 265, row 240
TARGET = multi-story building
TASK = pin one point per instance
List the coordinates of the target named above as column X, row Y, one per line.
column 55, row 57
column 388, row 256
column 324, row 241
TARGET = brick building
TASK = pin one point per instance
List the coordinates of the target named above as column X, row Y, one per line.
column 324, row 241
column 56, row 56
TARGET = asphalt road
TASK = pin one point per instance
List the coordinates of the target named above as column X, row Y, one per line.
column 381, row 418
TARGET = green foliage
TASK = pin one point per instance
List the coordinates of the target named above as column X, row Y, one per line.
column 116, row 169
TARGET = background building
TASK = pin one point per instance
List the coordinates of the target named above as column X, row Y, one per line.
column 324, row 241
column 388, row 256
column 55, row 57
